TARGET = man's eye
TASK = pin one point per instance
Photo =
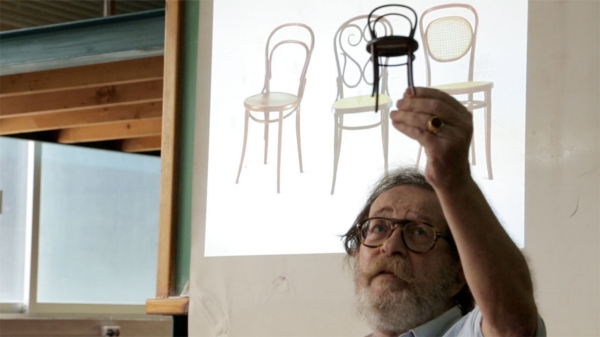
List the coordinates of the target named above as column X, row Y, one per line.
column 378, row 228
column 419, row 232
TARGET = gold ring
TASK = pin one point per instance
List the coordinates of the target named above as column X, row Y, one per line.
column 435, row 124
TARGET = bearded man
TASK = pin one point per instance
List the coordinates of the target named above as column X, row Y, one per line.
column 430, row 257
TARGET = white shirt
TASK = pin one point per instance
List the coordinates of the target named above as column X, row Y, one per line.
column 452, row 324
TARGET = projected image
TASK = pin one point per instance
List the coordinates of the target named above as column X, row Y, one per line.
column 278, row 102
column 279, row 185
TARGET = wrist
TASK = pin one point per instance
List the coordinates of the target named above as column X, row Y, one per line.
column 454, row 185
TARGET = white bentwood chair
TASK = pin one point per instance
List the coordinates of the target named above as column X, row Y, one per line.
column 274, row 101
column 450, row 38
column 352, row 59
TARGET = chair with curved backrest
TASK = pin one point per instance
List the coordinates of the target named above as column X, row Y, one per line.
column 349, row 45
column 273, row 101
column 450, row 38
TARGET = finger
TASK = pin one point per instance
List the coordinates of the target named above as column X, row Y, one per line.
column 434, row 107
column 421, row 120
column 448, row 134
column 435, row 94
column 422, row 136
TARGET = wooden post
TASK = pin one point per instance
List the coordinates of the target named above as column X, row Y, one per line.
column 109, row 7
column 168, row 178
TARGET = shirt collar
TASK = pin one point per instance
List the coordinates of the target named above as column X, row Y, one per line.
column 437, row 326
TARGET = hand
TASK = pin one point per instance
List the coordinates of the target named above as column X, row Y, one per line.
column 448, row 149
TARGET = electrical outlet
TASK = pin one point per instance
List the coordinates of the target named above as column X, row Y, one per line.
column 111, row 331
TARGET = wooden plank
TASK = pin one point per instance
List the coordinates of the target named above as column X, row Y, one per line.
column 168, row 306
column 89, row 325
column 66, row 100
column 112, row 131
column 168, row 178
column 81, row 117
column 144, row 144
column 143, row 69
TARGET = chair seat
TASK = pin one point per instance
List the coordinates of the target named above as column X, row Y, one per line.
column 464, row 87
column 361, row 103
column 273, row 101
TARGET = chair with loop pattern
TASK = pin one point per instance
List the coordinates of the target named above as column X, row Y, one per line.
column 353, row 64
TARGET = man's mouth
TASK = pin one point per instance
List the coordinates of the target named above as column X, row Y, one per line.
column 386, row 273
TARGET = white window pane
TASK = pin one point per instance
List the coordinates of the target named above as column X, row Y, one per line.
column 98, row 226
column 13, row 184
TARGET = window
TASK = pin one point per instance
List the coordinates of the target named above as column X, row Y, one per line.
column 13, row 199
column 93, row 216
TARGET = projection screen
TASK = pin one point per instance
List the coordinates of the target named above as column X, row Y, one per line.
column 268, row 245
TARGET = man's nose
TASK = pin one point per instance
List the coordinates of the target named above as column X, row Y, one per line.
column 394, row 245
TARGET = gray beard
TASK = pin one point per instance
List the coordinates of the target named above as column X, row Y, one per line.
column 397, row 311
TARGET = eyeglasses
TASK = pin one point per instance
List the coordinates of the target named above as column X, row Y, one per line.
column 419, row 237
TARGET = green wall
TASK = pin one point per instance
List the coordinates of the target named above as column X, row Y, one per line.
column 189, row 52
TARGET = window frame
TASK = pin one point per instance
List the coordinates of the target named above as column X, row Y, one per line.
column 165, row 301
column 30, row 305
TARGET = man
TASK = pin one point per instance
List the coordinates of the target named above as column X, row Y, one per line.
column 427, row 248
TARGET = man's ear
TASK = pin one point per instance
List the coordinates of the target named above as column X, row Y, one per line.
column 460, row 281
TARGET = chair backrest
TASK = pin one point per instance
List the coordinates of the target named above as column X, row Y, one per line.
column 307, row 43
column 448, row 38
column 354, row 65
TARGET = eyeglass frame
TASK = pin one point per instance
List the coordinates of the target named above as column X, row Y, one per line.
column 397, row 223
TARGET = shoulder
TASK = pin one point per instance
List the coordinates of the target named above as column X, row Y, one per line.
column 470, row 325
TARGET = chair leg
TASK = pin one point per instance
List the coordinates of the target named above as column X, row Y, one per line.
column 266, row 137
column 298, row 138
column 419, row 155
column 279, row 149
column 473, row 148
column 243, row 146
column 470, row 108
column 488, row 132
column 337, row 144
column 384, row 137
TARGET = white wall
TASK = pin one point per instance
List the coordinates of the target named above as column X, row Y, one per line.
column 562, row 156
column 312, row 296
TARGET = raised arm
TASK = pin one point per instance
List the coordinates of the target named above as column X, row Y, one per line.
column 494, row 267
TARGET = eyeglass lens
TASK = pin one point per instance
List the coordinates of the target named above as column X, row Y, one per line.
column 417, row 236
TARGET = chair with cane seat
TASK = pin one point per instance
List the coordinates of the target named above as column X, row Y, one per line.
column 450, row 38
column 282, row 103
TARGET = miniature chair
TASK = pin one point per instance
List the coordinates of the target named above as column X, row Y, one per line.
column 450, row 38
column 352, row 62
column 272, row 101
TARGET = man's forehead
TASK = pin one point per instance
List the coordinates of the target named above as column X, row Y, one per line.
column 407, row 199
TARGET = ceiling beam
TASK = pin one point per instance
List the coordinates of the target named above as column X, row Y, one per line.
column 18, row 17
column 112, row 131
column 129, row 71
column 145, row 144
column 67, row 10
column 82, row 117
column 97, row 40
column 76, row 99
column 42, row 12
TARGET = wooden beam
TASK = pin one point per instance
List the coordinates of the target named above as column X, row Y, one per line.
column 81, row 117
column 145, row 144
column 168, row 306
column 130, row 71
column 120, row 130
column 76, row 99
column 167, row 222
column 71, row 44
